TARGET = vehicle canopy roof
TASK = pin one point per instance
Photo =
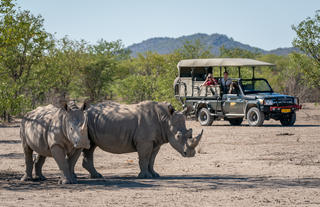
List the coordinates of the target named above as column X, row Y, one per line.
column 222, row 62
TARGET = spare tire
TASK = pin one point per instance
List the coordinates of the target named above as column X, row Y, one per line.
column 176, row 86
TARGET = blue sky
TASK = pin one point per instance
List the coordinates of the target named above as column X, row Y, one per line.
column 261, row 23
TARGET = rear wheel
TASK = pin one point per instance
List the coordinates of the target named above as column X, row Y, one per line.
column 236, row 121
column 288, row 120
column 255, row 117
column 204, row 117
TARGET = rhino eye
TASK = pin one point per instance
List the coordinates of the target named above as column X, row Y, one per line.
column 71, row 128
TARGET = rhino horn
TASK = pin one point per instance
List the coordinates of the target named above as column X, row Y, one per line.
column 85, row 123
column 192, row 143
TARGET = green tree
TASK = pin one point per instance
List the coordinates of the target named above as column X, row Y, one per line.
column 308, row 36
column 23, row 41
column 308, row 41
column 101, row 68
column 57, row 72
column 150, row 77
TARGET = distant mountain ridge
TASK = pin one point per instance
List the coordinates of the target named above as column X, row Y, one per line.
column 165, row 45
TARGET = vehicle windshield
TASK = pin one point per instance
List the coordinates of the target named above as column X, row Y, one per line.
column 255, row 86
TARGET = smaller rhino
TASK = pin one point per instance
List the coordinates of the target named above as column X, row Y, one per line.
column 58, row 132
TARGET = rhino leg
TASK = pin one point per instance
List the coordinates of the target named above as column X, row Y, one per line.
column 28, row 162
column 144, row 152
column 38, row 163
column 151, row 162
column 87, row 162
column 72, row 162
column 59, row 156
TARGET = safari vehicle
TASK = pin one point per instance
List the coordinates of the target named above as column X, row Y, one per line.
column 252, row 99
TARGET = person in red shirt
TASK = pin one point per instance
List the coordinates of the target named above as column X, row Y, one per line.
column 210, row 81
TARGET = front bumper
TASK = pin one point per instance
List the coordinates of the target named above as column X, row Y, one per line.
column 292, row 107
column 277, row 109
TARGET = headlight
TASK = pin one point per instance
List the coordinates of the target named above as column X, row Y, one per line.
column 260, row 101
column 268, row 102
column 296, row 101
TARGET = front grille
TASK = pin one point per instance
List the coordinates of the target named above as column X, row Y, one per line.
column 283, row 101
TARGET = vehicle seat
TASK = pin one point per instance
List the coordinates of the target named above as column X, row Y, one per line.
column 207, row 91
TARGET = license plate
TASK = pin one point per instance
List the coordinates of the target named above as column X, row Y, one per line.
column 285, row 110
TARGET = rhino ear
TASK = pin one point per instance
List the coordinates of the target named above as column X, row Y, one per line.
column 64, row 105
column 85, row 105
column 171, row 109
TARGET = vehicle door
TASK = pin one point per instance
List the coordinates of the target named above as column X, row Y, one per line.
column 233, row 103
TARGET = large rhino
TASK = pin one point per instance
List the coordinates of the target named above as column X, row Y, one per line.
column 58, row 132
column 141, row 128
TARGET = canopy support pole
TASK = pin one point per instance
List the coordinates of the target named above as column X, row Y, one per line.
column 220, row 71
column 192, row 77
column 239, row 72
column 253, row 72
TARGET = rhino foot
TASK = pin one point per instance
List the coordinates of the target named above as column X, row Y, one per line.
column 26, row 178
column 67, row 181
column 155, row 175
column 96, row 175
column 74, row 176
column 145, row 175
column 40, row 178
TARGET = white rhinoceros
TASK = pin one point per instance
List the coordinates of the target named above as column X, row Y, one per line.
column 58, row 132
column 141, row 128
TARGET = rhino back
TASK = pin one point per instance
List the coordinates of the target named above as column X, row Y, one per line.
column 117, row 127
column 35, row 126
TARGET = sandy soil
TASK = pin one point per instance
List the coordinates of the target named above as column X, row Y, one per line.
column 234, row 166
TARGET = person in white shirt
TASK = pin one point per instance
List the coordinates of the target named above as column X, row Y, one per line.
column 225, row 82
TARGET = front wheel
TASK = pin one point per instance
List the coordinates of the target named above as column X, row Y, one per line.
column 288, row 120
column 204, row 117
column 255, row 117
column 235, row 121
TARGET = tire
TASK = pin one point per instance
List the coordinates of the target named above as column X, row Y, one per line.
column 236, row 121
column 204, row 117
column 255, row 117
column 289, row 120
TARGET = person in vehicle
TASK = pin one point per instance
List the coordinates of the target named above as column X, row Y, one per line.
column 234, row 88
column 210, row 82
column 225, row 82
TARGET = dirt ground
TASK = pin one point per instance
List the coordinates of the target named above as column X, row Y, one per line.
column 234, row 166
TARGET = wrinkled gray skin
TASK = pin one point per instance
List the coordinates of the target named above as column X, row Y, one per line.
column 57, row 132
column 141, row 128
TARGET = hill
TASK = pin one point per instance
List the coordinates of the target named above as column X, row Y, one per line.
column 165, row 45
